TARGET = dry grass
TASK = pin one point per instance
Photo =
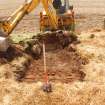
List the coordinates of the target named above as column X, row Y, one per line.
column 78, row 93
column 94, row 49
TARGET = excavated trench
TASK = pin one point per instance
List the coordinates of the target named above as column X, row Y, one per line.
column 63, row 64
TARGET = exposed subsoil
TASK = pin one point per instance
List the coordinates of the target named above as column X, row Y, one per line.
column 62, row 65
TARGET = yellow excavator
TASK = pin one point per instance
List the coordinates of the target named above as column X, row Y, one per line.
column 59, row 16
column 55, row 17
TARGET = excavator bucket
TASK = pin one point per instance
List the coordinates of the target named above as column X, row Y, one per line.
column 4, row 42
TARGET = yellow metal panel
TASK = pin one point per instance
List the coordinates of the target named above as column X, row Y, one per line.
column 51, row 12
column 32, row 4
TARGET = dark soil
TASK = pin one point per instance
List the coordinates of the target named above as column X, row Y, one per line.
column 10, row 54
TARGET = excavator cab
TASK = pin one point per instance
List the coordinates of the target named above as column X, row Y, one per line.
column 65, row 20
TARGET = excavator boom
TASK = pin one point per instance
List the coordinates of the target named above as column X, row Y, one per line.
column 7, row 26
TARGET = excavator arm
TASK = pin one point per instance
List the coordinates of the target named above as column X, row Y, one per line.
column 8, row 26
column 50, row 12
